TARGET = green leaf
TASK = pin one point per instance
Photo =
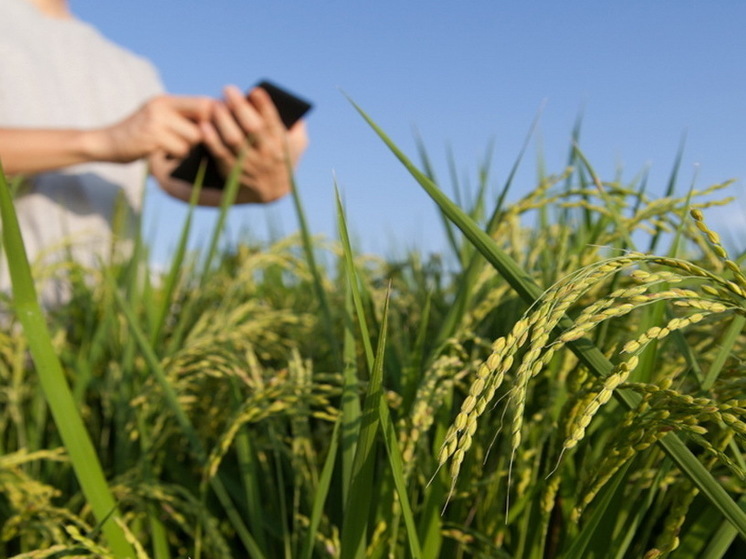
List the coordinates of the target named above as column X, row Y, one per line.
column 57, row 392
column 363, row 468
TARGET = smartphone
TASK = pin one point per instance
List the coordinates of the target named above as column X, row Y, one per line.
column 290, row 107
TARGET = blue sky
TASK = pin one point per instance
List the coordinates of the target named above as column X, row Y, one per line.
column 463, row 74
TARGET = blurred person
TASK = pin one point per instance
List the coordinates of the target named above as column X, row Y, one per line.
column 84, row 121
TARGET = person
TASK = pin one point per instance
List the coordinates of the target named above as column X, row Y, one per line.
column 84, row 121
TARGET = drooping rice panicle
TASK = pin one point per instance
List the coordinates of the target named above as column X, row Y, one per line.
column 661, row 410
column 624, row 369
column 539, row 322
column 714, row 240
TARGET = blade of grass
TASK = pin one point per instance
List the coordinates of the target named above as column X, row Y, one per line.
column 354, row 530
column 654, row 313
column 282, row 487
column 705, row 531
column 177, row 261
column 250, row 476
column 629, row 522
column 352, row 278
column 726, row 347
column 610, row 203
column 430, row 172
column 574, row 141
column 670, row 188
column 586, row 351
column 477, row 211
column 397, row 469
column 388, row 429
column 418, row 354
column 722, row 539
column 57, row 392
column 318, row 284
column 350, row 400
column 187, row 314
column 133, row 273
column 322, row 490
column 513, row 170
column 229, row 197
column 689, row 353
column 158, row 533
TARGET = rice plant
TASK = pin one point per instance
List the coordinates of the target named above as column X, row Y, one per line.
column 557, row 386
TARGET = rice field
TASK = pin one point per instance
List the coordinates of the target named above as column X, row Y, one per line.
column 567, row 382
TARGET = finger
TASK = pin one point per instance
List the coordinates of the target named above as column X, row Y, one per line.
column 174, row 145
column 247, row 116
column 229, row 130
column 215, row 144
column 266, row 108
column 188, row 130
column 192, row 107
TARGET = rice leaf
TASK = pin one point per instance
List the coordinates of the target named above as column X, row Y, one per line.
column 430, row 172
column 722, row 539
column 227, row 200
column 177, row 261
column 318, row 284
column 353, row 281
column 670, row 188
column 354, row 530
column 397, row 469
column 321, row 493
column 67, row 418
column 726, row 347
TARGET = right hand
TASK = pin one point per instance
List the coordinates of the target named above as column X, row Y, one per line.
column 167, row 125
column 250, row 127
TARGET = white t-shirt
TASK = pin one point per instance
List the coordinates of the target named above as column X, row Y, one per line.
column 60, row 73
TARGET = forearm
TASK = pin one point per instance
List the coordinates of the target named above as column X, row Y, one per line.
column 165, row 124
column 30, row 151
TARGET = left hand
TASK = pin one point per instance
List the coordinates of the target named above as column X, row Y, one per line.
column 251, row 128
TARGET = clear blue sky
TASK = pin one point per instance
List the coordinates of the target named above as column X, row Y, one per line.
column 463, row 73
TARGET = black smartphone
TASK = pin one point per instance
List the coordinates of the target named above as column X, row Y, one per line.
column 290, row 107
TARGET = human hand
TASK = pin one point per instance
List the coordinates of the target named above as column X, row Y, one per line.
column 167, row 125
column 251, row 129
